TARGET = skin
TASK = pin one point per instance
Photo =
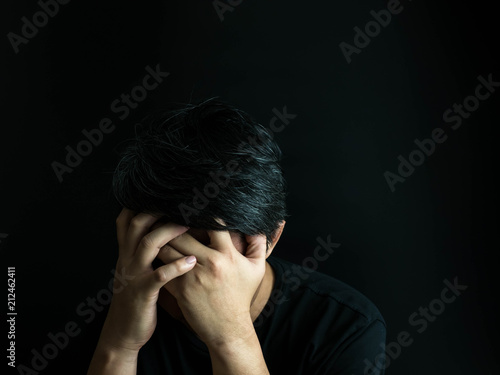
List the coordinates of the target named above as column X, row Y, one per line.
column 218, row 297
column 169, row 303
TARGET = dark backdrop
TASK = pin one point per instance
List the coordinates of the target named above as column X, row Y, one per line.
column 353, row 120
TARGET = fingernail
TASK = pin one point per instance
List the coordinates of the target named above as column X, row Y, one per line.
column 191, row 259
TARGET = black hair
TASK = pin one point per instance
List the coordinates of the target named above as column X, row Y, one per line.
column 201, row 162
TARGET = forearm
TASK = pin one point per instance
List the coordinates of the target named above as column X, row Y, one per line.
column 108, row 361
column 243, row 357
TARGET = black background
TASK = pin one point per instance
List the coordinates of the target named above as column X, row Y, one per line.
column 353, row 120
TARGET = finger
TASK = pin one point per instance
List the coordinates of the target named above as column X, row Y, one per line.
column 140, row 225
column 188, row 245
column 257, row 246
column 158, row 224
column 168, row 272
column 150, row 245
column 221, row 240
column 122, row 224
column 168, row 254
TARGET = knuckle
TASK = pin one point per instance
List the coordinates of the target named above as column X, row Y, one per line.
column 135, row 222
column 210, row 263
column 160, row 275
column 199, row 280
column 147, row 241
column 214, row 263
column 180, row 266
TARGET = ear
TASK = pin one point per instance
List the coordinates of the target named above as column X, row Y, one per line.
column 276, row 237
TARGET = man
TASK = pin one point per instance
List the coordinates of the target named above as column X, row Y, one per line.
column 204, row 199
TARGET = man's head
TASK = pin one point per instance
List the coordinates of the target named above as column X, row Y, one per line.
column 202, row 163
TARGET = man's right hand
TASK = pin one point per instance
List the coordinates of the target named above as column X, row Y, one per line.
column 131, row 318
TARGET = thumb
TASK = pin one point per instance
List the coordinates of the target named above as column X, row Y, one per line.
column 257, row 246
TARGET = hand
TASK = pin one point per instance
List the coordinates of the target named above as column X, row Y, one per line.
column 215, row 297
column 131, row 319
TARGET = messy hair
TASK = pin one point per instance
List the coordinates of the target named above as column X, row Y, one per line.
column 203, row 162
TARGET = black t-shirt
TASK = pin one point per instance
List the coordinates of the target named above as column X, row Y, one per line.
column 313, row 324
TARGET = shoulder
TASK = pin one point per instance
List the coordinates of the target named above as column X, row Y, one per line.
column 323, row 293
column 333, row 323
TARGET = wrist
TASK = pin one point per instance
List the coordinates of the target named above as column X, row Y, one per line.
column 238, row 356
column 113, row 340
column 241, row 336
column 112, row 361
column 110, row 351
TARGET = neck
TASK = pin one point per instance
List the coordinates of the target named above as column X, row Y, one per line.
column 263, row 293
